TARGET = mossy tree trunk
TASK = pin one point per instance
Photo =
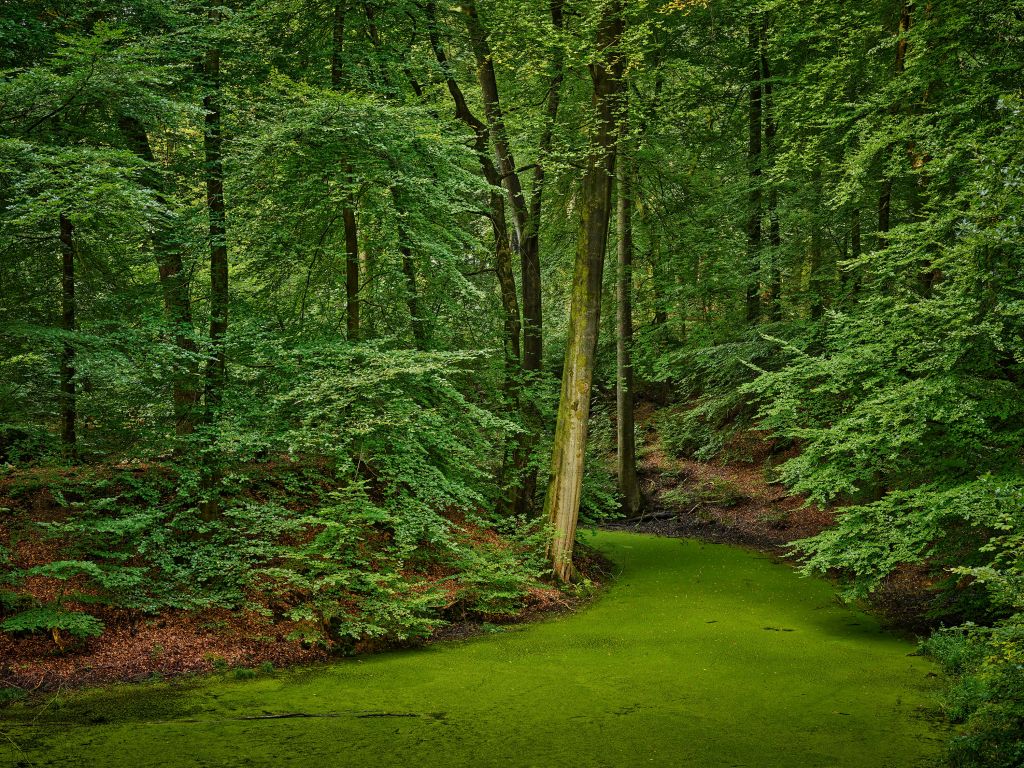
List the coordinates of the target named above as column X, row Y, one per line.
column 561, row 506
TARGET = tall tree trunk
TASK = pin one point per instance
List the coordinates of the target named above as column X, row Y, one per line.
column 629, row 485
column 562, row 503
column 351, row 273
column 348, row 213
column 499, row 222
column 753, row 305
column 68, row 398
column 216, row 367
column 417, row 319
column 816, row 278
column 533, row 340
column 173, row 287
column 522, row 502
column 514, row 460
column 885, row 196
column 774, row 234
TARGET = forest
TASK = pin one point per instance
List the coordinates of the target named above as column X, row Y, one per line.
column 333, row 327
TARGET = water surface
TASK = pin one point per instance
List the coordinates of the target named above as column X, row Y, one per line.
column 698, row 655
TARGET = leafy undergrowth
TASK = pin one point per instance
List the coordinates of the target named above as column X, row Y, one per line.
column 116, row 574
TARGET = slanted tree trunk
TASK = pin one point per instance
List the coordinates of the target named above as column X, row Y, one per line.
column 216, row 367
column 499, row 222
column 561, row 506
column 629, row 485
column 173, row 287
column 68, row 397
column 753, row 304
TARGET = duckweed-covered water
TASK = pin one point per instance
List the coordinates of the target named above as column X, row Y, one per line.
column 697, row 656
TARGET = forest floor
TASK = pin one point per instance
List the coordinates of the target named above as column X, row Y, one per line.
column 735, row 502
column 137, row 646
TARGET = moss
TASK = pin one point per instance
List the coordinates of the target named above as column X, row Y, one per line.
column 699, row 655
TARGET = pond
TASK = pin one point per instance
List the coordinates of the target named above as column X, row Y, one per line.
column 697, row 655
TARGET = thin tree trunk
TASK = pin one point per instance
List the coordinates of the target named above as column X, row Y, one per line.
column 348, row 213
column 533, row 341
column 774, row 234
column 351, row 273
column 68, row 399
column 216, row 368
column 499, row 222
column 816, row 278
column 885, row 197
column 753, row 304
column 562, row 503
column 523, row 496
column 629, row 485
column 419, row 328
column 173, row 287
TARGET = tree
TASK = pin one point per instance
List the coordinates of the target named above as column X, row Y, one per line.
column 561, row 506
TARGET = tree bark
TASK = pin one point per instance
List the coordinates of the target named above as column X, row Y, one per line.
column 173, row 287
column 216, row 367
column 348, row 213
column 629, row 485
column 774, row 234
column 499, row 222
column 533, row 339
column 68, row 398
column 885, row 196
column 753, row 303
column 562, row 503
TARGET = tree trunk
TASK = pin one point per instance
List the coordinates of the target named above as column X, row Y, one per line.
column 173, row 287
column 753, row 304
column 533, row 341
column 774, row 235
column 499, row 222
column 412, row 298
column 885, row 197
column 216, row 367
column 629, row 485
column 562, row 503
column 68, row 398
column 348, row 215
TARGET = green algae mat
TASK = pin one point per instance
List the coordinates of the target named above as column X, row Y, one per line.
column 698, row 655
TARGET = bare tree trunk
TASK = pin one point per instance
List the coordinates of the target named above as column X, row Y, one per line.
column 216, row 367
column 68, row 399
column 562, row 504
column 173, row 287
column 774, row 234
column 348, row 213
column 533, row 341
column 629, row 485
column 885, row 197
column 499, row 222
column 533, row 334
column 753, row 304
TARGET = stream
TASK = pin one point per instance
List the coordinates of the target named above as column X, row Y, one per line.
column 698, row 656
